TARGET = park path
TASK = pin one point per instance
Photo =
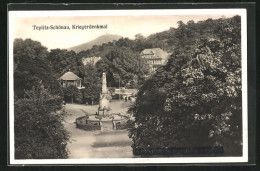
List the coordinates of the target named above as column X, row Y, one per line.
column 106, row 143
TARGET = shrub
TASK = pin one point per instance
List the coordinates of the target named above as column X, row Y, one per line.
column 39, row 132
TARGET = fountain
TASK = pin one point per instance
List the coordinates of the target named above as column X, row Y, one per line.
column 94, row 122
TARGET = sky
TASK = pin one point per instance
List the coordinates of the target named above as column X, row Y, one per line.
column 126, row 26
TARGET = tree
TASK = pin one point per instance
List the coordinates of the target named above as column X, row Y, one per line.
column 31, row 66
column 199, row 95
column 72, row 93
column 92, row 83
column 142, row 43
column 39, row 132
column 63, row 60
column 121, row 64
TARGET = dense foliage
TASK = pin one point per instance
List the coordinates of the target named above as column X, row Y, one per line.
column 39, row 132
column 92, row 83
column 122, row 66
column 137, row 45
column 72, row 94
column 62, row 61
column 195, row 100
column 30, row 66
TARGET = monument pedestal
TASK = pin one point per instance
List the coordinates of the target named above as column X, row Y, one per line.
column 104, row 98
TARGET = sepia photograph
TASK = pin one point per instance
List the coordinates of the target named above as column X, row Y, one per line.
column 128, row 86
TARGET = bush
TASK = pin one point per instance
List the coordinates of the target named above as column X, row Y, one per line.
column 39, row 132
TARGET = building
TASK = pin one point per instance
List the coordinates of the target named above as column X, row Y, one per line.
column 155, row 57
column 93, row 60
column 69, row 78
column 125, row 93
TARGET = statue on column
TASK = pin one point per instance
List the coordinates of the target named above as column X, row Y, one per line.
column 104, row 97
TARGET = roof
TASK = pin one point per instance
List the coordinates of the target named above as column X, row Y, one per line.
column 69, row 76
column 157, row 52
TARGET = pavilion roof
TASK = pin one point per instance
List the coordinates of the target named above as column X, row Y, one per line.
column 69, row 76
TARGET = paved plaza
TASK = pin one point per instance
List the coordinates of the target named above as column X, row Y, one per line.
column 105, row 143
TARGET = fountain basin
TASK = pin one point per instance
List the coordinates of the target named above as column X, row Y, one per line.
column 94, row 122
column 88, row 124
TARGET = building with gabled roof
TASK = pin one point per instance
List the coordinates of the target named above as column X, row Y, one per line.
column 69, row 78
column 155, row 57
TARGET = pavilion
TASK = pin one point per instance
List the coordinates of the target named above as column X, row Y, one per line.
column 69, row 78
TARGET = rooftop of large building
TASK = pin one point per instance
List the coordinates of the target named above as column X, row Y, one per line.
column 156, row 52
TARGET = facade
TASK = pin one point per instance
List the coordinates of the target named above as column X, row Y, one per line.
column 126, row 93
column 155, row 57
column 69, row 78
column 92, row 60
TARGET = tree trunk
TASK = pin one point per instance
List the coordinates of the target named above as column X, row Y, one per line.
column 71, row 99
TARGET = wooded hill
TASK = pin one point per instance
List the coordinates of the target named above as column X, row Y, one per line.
column 174, row 38
column 98, row 41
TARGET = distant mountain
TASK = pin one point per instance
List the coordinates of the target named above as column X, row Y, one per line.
column 98, row 41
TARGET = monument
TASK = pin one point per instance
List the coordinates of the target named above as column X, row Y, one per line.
column 93, row 122
column 104, row 97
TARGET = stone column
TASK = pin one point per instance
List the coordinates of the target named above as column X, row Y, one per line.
column 104, row 83
column 104, row 97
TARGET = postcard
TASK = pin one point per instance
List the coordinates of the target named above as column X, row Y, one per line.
column 157, row 86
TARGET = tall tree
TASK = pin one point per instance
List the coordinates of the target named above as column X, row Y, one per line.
column 92, row 83
column 30, row 66
column 62, row 61
column 122, row 65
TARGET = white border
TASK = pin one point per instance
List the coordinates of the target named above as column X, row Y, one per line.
column 241, row 12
